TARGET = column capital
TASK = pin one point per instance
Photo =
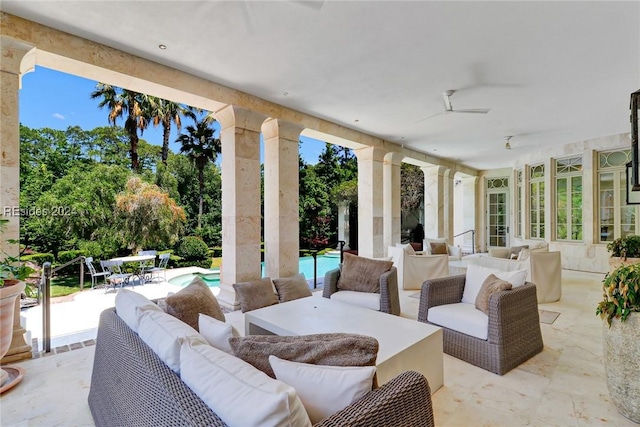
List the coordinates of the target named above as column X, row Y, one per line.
column 370, row 153
column 434, row 170
column 272, row 128
column 234, row 116
column 393, row 158
column 18, row 57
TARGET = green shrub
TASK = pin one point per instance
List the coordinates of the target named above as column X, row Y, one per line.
column 625, row 247
column 176, row 261
column 215, row 252
column 192, row 248
column 38, row 258
column 66, row 256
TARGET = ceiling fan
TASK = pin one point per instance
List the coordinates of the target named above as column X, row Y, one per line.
column 448, row 108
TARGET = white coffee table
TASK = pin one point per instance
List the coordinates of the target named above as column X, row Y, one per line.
column 404, row 344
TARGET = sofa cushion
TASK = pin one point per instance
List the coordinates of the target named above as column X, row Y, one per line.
column 477, row 274
column 236, row 391
column 190, row 301
column 255, row 294
column 324, row 390
column 292, row 287
column 217, row 333
column 362, row 299
column 164, row 334
column 127, row 304
column 525, row 253
column 460, row 317
column 514, row 251
column 362, row 274
column 533, row 244
column 337, row 349
column 407, row 248
column 491, row 285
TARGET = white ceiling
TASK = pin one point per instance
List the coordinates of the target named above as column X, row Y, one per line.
column 551, row 72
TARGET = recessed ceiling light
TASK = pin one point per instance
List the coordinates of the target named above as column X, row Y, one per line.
column 356, row 120
column 162, row 47
column 285, row 93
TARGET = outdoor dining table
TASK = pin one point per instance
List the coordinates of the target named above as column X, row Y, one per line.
column 136, row 258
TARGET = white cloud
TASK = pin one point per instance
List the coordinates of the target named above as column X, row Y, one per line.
column 57, row 116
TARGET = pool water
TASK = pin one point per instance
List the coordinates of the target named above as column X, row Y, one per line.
column 324, row 264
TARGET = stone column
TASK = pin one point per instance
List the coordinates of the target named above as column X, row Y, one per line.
column 343, row 224
column 448, row 199
column 281, row 215
column 17, row 59
column 240, row 138
column 392, row 211
column 370, row 202
column 434, row 202
column 468, row 209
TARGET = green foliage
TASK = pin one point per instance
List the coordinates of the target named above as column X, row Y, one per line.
column 411, row 188
column 149, row 217
column 192, row 248
column 11, row 267
column 215, row 252
column 39, row 258
column 621, row 295
column 66, row 256
column 625, row 247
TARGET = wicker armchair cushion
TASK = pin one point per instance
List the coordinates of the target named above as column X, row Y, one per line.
column 461, row 317
column 255, row 294
column 491, row 285
column 362, row 274
column 240, row 394
column 190, row 301
column 477, row 274
column 337, row 349
column 217, row 333
column 291, row 288
column 127, row 305
column 324, row 390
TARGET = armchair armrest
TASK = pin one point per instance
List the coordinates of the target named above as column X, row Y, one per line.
column 446, row 290
column 405, row 401
column 330, row 282
column 389, row 297
column 513, row 315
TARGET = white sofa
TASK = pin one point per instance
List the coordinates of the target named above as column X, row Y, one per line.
column 414, row 269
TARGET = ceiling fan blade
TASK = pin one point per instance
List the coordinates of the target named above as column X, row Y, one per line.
column 473, row 111
column 429, row 117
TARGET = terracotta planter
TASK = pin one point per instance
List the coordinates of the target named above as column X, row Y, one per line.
column 621, row 355
column 615, row 262
column 9, row 293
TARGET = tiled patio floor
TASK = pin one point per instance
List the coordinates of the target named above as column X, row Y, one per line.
column 562, row 386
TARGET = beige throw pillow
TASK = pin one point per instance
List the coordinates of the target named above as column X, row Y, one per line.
column 438, row 248
column 490, row 286
column 338, row 349
column 362, row 274
column 256, row 294
column 189, row 302
column 291, row 288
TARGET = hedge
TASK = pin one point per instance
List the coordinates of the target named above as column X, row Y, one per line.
column 66, row 256
column 38, row 258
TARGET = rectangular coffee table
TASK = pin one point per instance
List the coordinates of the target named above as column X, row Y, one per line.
column 404, row 344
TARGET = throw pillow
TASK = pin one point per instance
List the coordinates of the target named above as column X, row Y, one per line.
column 236, row 391
column 192, row 300
column 362, row 274
column 256, row 294
column 338, row 349
column 490, row 286
column 476, row 276
column 407, row 248
column 514, row 251
column 127, row 304
column 293, row 287
column 164, row 334
column 217, row 333
column 324, row 390
column 438, row 248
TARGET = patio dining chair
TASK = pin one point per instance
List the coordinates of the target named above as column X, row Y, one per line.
column 116, row 277
column 95, row 274
column 146, row 267
column 161, row 268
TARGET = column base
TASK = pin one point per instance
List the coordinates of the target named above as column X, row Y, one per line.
column 19, row 350
column 227, row 297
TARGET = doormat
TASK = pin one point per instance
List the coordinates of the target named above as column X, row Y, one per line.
column 548, row 317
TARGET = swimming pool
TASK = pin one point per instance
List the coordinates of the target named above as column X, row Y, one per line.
column 324, row 264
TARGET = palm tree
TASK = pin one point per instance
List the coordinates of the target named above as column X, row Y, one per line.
column 162, row 111
column 202, row 147
column 121, row 102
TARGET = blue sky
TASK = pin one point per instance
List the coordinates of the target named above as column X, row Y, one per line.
column 56, row 100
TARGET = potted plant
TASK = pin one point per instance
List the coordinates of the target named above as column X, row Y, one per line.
column 620, row 307
column 12, row 284
column 624, row 250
